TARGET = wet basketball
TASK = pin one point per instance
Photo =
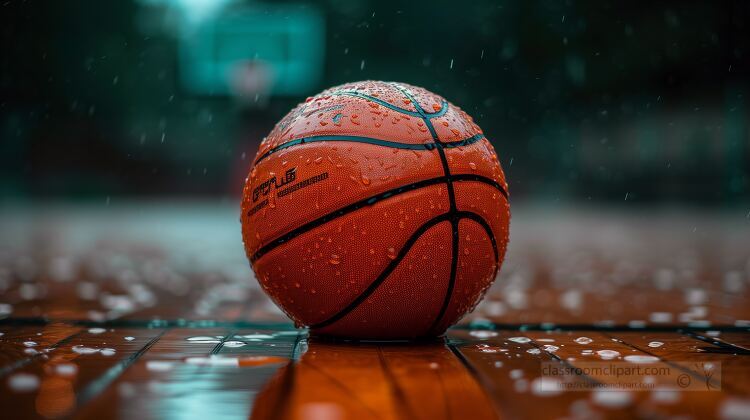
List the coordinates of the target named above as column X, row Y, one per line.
column 376, row 210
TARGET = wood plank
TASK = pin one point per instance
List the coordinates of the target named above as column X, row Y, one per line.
column 684, row 348
column 370, row 380
column 72, row 373
column 20, row 344
column 214, row 372
column 510, row 374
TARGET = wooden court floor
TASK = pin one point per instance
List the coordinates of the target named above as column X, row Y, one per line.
column 139, row 320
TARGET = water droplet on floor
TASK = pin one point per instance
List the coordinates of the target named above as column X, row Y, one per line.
column 66, row 369
column 734, row 408
column 80, row 349
column 260, row 337
column 546, row 386
column 666, row 396
column 483, row 333
column 608, row 354
column 203, row 339
column 23, row 382
column 655, row 344
column 612, row 399
column 159, row 365
column 637, row 358
column 583, row 340
column 244, row 361
column 520, row 339
column 660, row 317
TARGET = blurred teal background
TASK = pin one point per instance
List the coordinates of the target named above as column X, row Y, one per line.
column 585, row 101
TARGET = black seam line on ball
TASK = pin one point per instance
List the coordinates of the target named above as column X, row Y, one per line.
column 487, row 228
column 482, row 179
column 345, row 210
column 368, row 202
column 386, row 272
column 453, row 207
column 401, row 255
column 452, row 278
column 454, row 262
column 438, row 143
column 441, row 112
column 368, row 140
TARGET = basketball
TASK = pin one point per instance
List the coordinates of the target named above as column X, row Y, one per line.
column 376, row 210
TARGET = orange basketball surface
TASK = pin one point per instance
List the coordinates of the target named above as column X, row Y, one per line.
column 376, row 210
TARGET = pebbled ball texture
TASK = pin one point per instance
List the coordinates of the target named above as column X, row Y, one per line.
column 376, row 210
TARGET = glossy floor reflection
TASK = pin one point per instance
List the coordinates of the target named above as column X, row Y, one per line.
column 367, row 380
column 149, row 370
